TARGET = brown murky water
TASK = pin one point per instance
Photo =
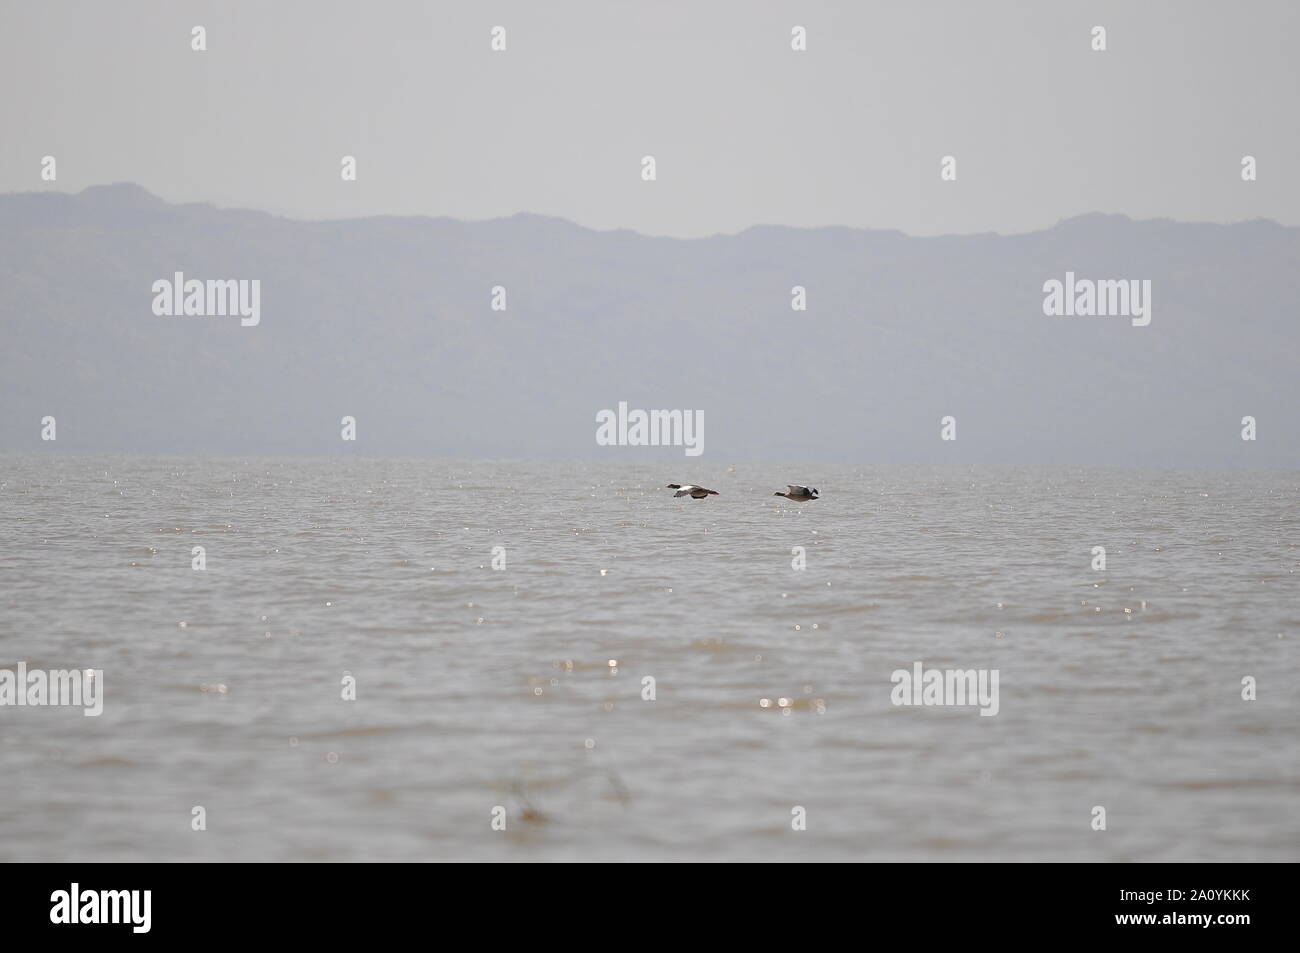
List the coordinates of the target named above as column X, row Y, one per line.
column 479, row 687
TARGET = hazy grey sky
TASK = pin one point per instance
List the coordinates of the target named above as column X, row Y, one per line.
column 744, row 130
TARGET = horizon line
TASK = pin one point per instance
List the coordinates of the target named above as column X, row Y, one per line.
column 104, row 186
column 655, row 462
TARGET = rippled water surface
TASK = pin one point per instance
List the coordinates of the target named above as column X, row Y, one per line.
column 479, row 687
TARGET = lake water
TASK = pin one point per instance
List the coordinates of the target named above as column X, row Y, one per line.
column 479, row 687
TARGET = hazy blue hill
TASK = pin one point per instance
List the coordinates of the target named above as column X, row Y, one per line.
column 388, row 319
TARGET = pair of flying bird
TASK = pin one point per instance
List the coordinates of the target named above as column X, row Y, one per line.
column 797, row 492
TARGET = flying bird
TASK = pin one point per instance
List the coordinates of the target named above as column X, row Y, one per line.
column 691, row 490
column 798, row 493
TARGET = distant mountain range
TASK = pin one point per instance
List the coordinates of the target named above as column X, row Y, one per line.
column 389, row 320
